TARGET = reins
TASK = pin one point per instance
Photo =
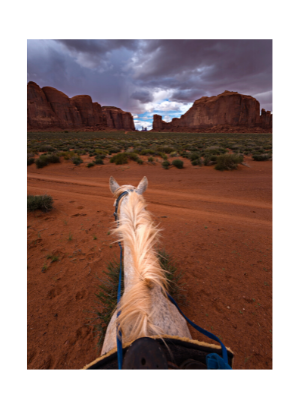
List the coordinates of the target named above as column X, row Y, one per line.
column 213, row 360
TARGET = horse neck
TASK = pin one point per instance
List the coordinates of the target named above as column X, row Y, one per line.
column 137, row 247
column 129, row 270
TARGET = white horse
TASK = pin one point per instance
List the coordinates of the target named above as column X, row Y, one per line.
column 145, row 309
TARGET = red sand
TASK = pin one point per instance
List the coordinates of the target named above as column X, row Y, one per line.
column 217, row 225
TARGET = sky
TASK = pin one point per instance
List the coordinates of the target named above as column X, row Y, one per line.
column 147, row 77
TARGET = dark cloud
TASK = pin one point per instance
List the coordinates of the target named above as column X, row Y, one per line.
column 131, row 73
column 98, row 46
column 143, row 96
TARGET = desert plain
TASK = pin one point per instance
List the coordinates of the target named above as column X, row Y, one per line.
column 217, row 226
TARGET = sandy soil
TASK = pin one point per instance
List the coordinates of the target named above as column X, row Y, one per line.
column 217, row 225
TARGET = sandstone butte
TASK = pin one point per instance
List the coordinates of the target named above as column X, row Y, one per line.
column 50, row 109
column 227, row 112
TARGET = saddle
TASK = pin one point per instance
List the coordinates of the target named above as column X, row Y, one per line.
column 169, row 352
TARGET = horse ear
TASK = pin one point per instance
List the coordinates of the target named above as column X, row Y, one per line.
column 113, row 184
column 142, row 186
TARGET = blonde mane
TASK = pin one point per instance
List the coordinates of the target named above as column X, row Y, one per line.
column 137, row 231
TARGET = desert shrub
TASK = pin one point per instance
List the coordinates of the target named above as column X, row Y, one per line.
column 146, row 152
column 41, row 162
column 178, row 164
column 215, row 150
column 44, row 203
column 261, row 157
column 184, row 154
column 98, row 161
column 119, row 159
column 133, row 156
column 91, row 164
column 30, row 155
column 30, row 161
column 46, row 147
column 196, row 162
column 165, row 149
column 193, row 156
column 165, row 164
column 174, row 154
column 228, row 162
column 77, row 160
column 53, row 158
column 150, row 159
column 139, row 161
column 114, row 150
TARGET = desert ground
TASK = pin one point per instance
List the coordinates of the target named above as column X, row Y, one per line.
column 217, row 225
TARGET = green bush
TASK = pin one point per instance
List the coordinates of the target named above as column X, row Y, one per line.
column 30, row 161
column 44, row 203
column 139, row 161
column 193, row 156
column 98, row 161
column 165, row 149
column 41, row 162
column 53, row 158
column 228, row 162
column 260, row 157
column 178, row 164
column 119, row 159
column 197, row 162
column 146, row 152
column 91, row 164
column 150, row 159
column 165, row 164
column 46, row 147
column 133, row 156
column 77, row 160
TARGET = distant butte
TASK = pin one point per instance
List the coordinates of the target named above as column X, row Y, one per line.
column 227, row 112
column 50, row 109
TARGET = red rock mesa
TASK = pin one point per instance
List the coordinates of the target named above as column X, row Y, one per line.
column 48, row 108
column 227, row 112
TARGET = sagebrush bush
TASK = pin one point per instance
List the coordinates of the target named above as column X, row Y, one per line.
column 150, row 159
column 46, row 147
column 260, row 157
column 165, row 164
column 147, row 152
column 53, row 158
column 77, row 160
column 178, row 164
column 133, row 156
column 197, row 162
column 119, row 159
column 139, row 161
column 193, row 156
column 44, row 203
column 91, row 164
column 30, row 161
column 227, row 162
column 41, row 162
column 98, row 161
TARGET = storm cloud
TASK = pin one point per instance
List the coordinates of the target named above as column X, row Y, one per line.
column 153, row 76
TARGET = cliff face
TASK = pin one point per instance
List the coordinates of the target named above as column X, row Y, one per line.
column 229, row 109
column 118, row 119
column 48, row 108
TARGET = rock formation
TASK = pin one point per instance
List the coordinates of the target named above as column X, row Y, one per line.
column 227, row 110
column 48, row 108
column 118, row 119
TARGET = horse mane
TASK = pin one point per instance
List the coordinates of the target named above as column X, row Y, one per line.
column 137, row 231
